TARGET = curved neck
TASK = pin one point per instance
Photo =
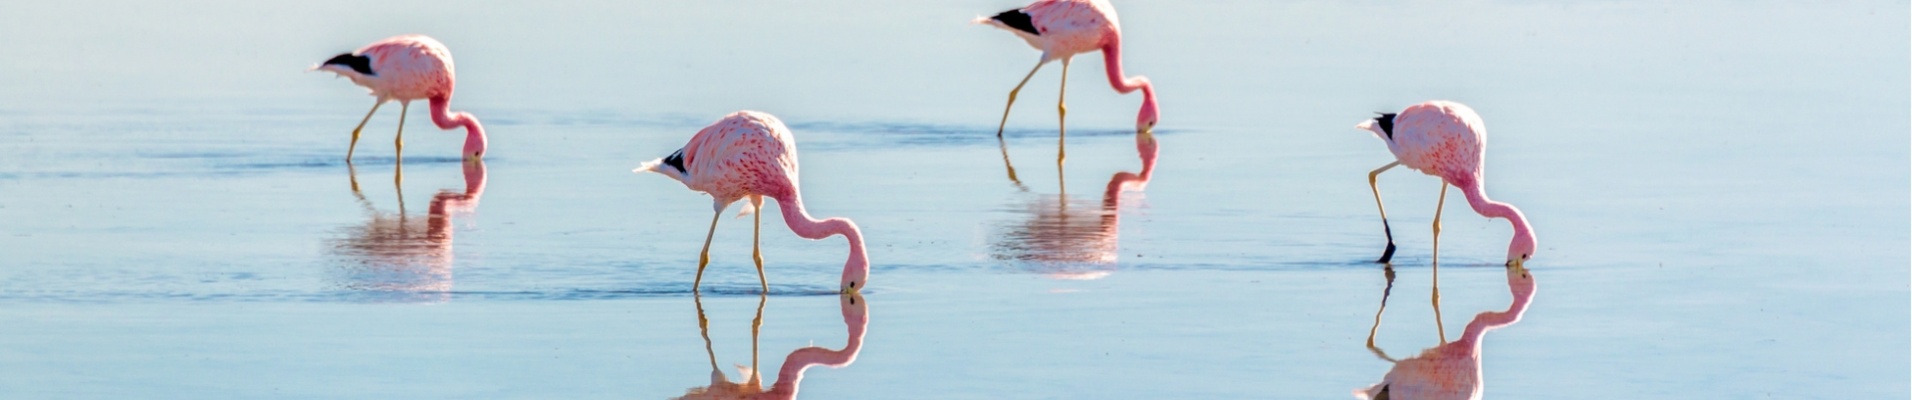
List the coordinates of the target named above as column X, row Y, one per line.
column 1491, row 320
column 856, row 270
column 1477, row 198
column 1112, row 61
column 445, row 119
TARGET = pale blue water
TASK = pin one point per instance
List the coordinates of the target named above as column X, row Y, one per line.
column 1720, row 191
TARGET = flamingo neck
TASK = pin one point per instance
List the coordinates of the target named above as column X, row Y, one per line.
column 1112, row 61
column 1477, row 197
column 791, row 373
column 445, row 119
column 856, row 270
column 1491, row 320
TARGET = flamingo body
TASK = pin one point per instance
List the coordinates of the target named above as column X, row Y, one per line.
column 750, row 154
column 403, row 68
column 1061, row 28
column 745, row 153
column 1440, row 138
column 1447, row 139
column 406, row 68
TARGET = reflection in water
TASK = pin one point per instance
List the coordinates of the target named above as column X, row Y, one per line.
column 1069, row 239
column 399, row 253
column 1452, row 369
column 856, row 317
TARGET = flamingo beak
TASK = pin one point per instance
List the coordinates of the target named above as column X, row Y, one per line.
column 1517, row 265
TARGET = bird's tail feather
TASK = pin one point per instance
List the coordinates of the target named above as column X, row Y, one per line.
column 649, row 166
column 658, row 166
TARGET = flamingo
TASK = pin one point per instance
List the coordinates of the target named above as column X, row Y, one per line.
column 1451, row 370
column 1444, row 139
column 1063, row 29
column 856, row 317
column 406, row 68
column 750, row 154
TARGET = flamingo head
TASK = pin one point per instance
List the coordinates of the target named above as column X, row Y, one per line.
column 1521, row 249
column 1146, row 119
column 474, row 148
column 357, row 67
column 856, row 275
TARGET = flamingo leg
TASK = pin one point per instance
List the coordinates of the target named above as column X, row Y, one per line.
column 1012, row 96
column 1377, row 315
column 704, row 258
column 398, row 142
column 1062, row 112
column 1437, row 262
column 1386, row 255
column 361, row 127
column 756, row 240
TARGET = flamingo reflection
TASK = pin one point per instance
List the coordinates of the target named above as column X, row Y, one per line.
column 1069, row 239
column 1145, row 147
column 855, row 317
column 1451, row 370
column 402, row 253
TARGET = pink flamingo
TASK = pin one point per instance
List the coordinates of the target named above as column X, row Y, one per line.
column 406, row 68
column 1451, row 370
column 750, row 154
column 1444, row 139
column 856, row 317
column 1063, row 29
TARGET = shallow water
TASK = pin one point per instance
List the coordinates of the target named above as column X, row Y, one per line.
column 1720, row 191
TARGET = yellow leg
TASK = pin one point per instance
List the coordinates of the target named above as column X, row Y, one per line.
column 756, row 243
column 1389, row 272
column 1062, row 112
column 704, row 258
column 1388, row 254
column 361, row 127
column 1442, row 203
column 1012, row 97
column 398, row 142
